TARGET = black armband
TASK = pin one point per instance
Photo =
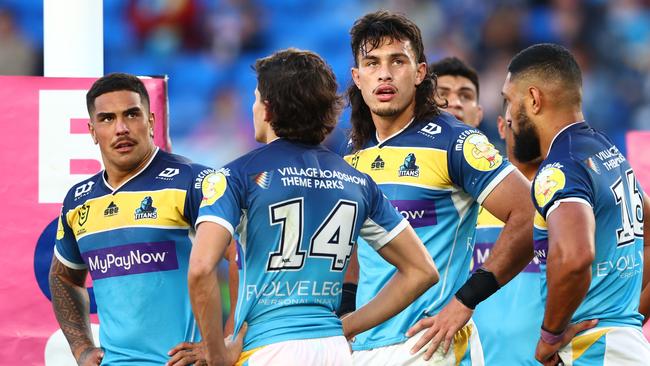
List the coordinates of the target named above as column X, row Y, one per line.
column 348, row 299
column 479, row 287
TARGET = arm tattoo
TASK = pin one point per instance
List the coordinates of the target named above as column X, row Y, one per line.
column 71, row 305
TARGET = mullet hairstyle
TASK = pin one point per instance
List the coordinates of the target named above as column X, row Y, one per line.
column 116, row 82
column 300, row 92
column 368, row 33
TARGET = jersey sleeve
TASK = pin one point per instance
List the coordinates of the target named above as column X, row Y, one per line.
column 194, row 195
column 383, row 222
column 476, row 165
column 561, row 181
column 223, row 198
column 66, row 248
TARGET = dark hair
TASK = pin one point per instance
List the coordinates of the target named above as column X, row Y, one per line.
column 368, row 33
column 549, row 61
column 300, row 89
column 116, row 82
column 453, row 66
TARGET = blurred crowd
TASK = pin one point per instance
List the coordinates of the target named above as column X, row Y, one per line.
column 207, row 48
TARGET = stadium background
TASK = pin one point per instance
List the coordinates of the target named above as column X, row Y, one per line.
column 207, row 47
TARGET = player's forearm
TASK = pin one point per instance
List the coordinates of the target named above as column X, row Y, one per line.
column 205, row 297
column 71, row 306
column 568, row 281
column 513, row 249
column 396, row 295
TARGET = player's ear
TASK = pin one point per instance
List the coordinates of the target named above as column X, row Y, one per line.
column 152, row 122
column 421, row 73
column 501, row 126
column 91, row 129
column 355, row 76
column 479, row 115
column 268, row 113
column 535, row 102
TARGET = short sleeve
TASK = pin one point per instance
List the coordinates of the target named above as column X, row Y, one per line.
column 383, row 222
column 66, row 248
column 223, row 198
column 194, row 195
column 476, row 165
column 561, row 181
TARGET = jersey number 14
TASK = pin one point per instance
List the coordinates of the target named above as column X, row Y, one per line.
column 332, row 240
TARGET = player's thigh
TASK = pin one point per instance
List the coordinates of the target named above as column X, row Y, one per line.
column 329, row 351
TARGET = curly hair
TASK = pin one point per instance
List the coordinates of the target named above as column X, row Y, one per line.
column 370, row 32
column 301, row 93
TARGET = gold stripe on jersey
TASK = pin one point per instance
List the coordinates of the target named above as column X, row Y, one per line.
column 387, row 165
column 581, row 343
column 125, row 209
column 245, row 355
column 539, row 221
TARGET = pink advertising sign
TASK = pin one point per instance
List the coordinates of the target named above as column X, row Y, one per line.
column 45, row 149
column 638, row 152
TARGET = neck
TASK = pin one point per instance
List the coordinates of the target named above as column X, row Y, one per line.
column 387, row 126
column 116, row 176
column 527, row 169
column 553, row 124
column 270, row 136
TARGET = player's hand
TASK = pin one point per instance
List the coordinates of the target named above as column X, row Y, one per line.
column 547, row 354
column 187, row 353
column 234, row 346
column 442, row 327
column 91, row 356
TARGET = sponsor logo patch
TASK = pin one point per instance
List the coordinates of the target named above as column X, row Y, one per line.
column 419, row 213
column 131, row 259
column 213, row 187
column 83, row 190
column 409, row 168
column 480, row 153
column 168, row 173
column 548, row 181
column 378, row 164
column 111, row 210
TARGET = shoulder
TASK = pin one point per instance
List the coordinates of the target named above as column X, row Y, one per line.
column 83, row 190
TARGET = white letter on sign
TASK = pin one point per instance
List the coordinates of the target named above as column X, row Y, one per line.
column 58, row 145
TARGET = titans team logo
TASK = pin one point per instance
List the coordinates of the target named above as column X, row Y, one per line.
column 146, row 209
column 263, row 179
column 213, row 187
column 549, row 180
column 480, row 153
column 409, row 169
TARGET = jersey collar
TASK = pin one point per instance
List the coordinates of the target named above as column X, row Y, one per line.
column 559, row 133
column 113, row 190
column 380, row 142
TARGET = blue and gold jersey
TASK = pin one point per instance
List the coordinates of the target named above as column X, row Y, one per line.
column 134, row 241
column 435, row 173
column 298, row 210
column 584, row 166
column 514, row 313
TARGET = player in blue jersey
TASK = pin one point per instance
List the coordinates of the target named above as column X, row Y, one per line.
column 297, row 209
column 128, row 227
column 515, row 311
column 589, row 226
column 436, row 171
